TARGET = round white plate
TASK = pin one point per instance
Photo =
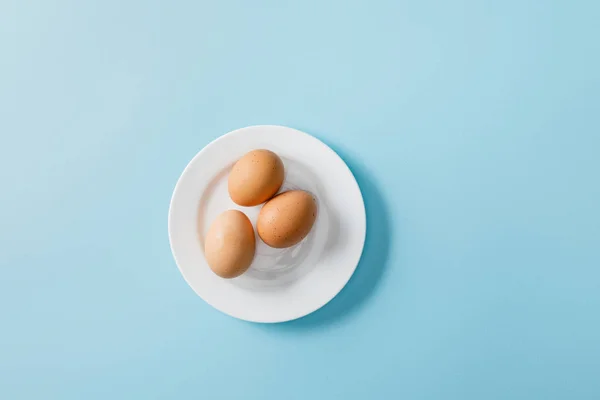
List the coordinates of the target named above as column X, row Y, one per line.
column 281, row 284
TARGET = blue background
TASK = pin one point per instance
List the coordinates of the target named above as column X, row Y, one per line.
column 473, row 128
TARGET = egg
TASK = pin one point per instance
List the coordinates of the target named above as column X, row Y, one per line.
column 287, row 218
column 255, row 178
column 229, row 245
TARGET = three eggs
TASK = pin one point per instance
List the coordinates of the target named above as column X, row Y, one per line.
column 284, row 220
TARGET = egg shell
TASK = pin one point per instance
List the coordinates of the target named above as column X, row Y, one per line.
column 230, row 244
column 287, row 218
column 255, row 178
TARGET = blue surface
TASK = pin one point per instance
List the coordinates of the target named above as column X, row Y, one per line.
column 473, row 128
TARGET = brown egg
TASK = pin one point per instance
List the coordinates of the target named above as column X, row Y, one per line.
column 287, row 218
column 255, row 178
column 229, row 246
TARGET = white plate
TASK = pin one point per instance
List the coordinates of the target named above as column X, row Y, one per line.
column 281, row 284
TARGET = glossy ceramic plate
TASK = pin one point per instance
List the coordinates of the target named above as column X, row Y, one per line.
column 281, row 284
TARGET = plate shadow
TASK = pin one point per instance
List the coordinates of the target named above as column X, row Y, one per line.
column 373, row 262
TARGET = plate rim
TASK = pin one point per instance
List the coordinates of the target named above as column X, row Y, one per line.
column 362, row 216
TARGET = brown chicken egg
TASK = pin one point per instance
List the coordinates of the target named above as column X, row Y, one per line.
column 229, row 246
column 287, row 218
column 255, row 178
